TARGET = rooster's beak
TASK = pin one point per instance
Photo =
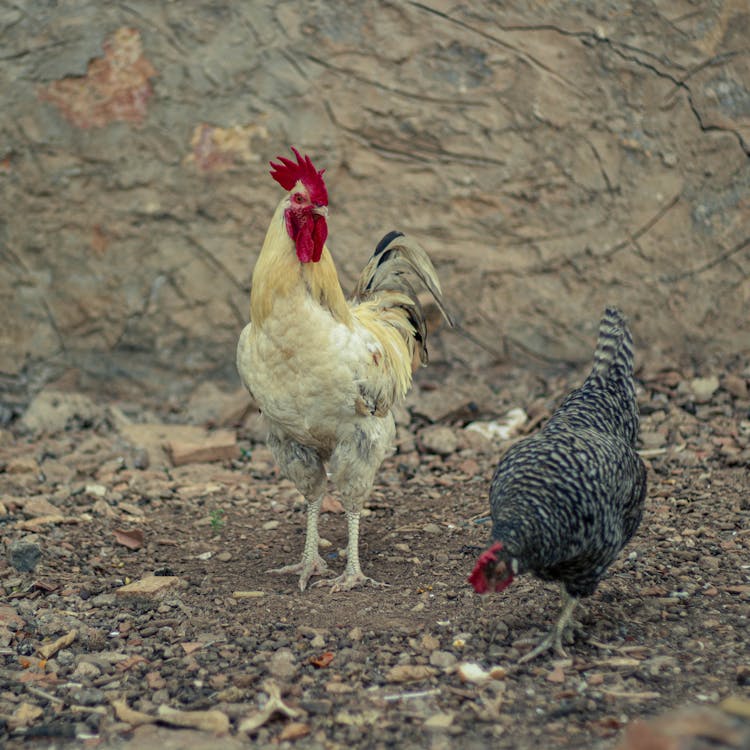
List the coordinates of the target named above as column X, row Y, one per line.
column 321, row 211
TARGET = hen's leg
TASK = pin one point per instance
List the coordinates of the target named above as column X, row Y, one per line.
column 553, row 640
column 302, row 465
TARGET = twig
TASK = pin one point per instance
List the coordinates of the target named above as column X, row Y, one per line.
column 416, row 694
column 43, row 694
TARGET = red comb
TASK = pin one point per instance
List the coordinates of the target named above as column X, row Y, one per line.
column 287, row 174
column 478, row 579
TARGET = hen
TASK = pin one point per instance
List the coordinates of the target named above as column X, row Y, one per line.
column 566, row 500
column 325, row 370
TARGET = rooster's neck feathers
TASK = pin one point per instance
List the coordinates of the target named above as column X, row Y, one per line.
column 279, row 275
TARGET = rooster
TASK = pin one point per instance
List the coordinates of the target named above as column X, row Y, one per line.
column 566, row 500
column 325, row 370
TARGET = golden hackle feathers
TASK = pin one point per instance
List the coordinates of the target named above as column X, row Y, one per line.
column 278, row 271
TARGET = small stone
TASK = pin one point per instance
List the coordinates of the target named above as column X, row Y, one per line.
column 438, row 722
column 431, row 528
column 86, row 670
column 141, row 459
column 87, row 696
column 22, row 465
column 703, row 388
column 24, row 555
column 557, row 675
column 282, row 665
column 735, row 385
column 652, row 439
column 438, row 439
column 442, row 659
column 155, row 681
column 52, row 411
column 148, row 586
column 224, row 556
column 219, row 445
column 318, row 706
column 65, row 657
column 271, row 525
column 293, row 731
column 409, row 673
column 25, row 715
column 331, row 505
column 318, row 641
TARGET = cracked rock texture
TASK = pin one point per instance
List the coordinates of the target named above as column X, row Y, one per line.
column 553, row 157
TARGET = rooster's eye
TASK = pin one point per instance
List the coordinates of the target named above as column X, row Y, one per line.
column 298, row 198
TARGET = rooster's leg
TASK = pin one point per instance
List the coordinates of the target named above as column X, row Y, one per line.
column 352, row 577
column 553, row 640
column 312, row 563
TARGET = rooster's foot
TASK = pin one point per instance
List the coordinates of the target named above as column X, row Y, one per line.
column 315, row 566
column 348, row 581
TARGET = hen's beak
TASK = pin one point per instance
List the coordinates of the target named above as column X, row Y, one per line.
column 321, row 211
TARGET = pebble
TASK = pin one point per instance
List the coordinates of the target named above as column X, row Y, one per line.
column 704, row 388
column 65, row 657
column 24, row 555
column 442, row 659
column 87, row 696
column 271, row 525
column 431, row 528
column 224, row 556
column 438, row 439
column 439, row 721
column 86, row 670
column 735, row 385
column 283, row 665
column 652, row 439
column 319, row 706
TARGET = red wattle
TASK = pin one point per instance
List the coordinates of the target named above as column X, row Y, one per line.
column 320, row 233
column 309, row 233
column 304, row 243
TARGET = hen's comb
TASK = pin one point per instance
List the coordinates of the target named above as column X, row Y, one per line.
column 478, row 579
column 287, row 174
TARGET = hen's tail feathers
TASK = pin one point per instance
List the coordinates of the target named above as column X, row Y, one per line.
column 613, row 358
column 397, row 262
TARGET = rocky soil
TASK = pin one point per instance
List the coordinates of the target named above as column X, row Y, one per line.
column 135, row 610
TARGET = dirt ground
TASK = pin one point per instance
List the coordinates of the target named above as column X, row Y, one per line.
column 369, row 668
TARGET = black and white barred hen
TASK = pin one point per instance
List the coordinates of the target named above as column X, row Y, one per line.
column 566, row 500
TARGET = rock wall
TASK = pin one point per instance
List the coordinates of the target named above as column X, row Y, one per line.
column 553, row 157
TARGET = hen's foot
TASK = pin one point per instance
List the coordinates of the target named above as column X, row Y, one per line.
column 315, row 566
column 348, row 581
column 553, row 640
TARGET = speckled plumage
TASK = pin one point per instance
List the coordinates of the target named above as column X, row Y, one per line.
column 566, row 500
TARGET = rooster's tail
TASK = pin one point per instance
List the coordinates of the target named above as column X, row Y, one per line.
column 389, row 276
